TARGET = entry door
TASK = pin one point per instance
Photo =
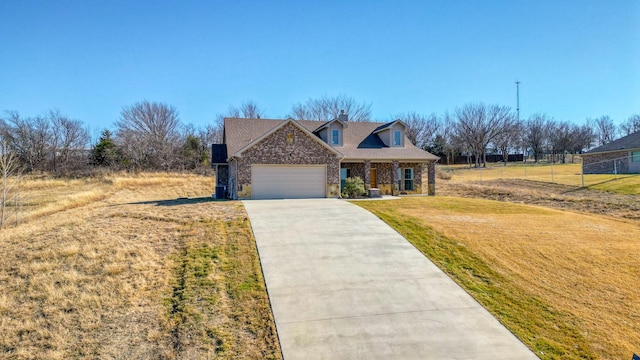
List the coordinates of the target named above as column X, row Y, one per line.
column 373, row 179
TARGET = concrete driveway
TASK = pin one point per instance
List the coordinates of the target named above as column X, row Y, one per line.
column 344, row 285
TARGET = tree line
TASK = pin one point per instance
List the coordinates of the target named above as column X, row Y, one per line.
column 151, row 136
column 474, row 130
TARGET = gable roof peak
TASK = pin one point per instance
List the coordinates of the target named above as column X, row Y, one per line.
column 388, row 125
column 280, row 125
column 328, row 123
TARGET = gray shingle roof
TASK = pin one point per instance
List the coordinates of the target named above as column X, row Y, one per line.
column 359, row 141
column 629, row 142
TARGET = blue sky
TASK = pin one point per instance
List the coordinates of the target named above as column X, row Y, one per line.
column 89, row 58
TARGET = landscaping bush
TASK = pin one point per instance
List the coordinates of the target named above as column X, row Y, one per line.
column 353, row 187
column 443, row 174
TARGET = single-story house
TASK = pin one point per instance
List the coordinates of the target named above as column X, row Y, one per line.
column 621, row 156
column 268, row 158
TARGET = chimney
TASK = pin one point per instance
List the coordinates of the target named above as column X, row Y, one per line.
column 343, row 116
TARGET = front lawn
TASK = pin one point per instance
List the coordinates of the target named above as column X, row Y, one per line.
column 118, row 268
column 564, row 283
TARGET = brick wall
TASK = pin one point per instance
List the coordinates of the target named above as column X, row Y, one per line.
column 355, row 169
column 384, row 174
column 417, row 177
column 604, row 163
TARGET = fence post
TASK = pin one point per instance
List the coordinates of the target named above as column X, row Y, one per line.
column 615, row 170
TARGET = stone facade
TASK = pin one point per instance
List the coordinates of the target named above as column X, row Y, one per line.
column 431, row 178
column 355, row 169
column 288, row 145
column 606, row 163
column 417, row 178
column 386, row 176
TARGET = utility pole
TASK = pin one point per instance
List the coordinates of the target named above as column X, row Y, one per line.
column 518, row 98
column 524, row 150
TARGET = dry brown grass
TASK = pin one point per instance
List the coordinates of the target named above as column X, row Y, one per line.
column 585, row 266
column 557, row 196
column 114, row 268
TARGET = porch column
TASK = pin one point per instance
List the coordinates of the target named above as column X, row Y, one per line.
column 394, row 178
column 367, row 174
column 431, row 173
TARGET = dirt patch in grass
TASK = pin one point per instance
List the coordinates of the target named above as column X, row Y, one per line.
column 133, row 273
column 546, row 194
column 564, row 283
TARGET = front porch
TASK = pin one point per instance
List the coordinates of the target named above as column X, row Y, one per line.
column 392, row 177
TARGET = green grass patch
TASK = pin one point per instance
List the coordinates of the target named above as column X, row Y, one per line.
column 218, row 297
column 623, row 184
column 550, row 333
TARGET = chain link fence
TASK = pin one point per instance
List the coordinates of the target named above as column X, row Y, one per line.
column 567, row 174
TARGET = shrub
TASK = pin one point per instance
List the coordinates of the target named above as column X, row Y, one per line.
column 353, row 187
column 443, row 174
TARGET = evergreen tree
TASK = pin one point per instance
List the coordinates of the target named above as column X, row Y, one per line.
column 106, row 151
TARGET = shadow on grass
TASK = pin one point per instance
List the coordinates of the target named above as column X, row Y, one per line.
column 178, row 201
column 619, row 178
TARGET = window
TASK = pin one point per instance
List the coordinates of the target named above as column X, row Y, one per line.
column 635, row 156
column 405, row 176
column 408, row 179
column 335, row 137
column 397, row 138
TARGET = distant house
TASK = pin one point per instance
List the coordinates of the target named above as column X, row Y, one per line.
column 621, row 156
column 262, row 158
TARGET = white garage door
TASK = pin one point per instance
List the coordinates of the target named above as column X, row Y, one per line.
column 288, row 181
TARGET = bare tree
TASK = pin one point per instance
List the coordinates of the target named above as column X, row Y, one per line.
column 328, row 108
column 30, row 138
column 583, row 139
column 248, row 109
column 421, row 129
column 213, row 133
column 509, row 138
column 632, row 125
column 536, row 134
column 477, row 125
column 10, row 171
column 69, row 137
column 605, row 130
column 148, row 133
column 444, row 139
column 563, row 138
